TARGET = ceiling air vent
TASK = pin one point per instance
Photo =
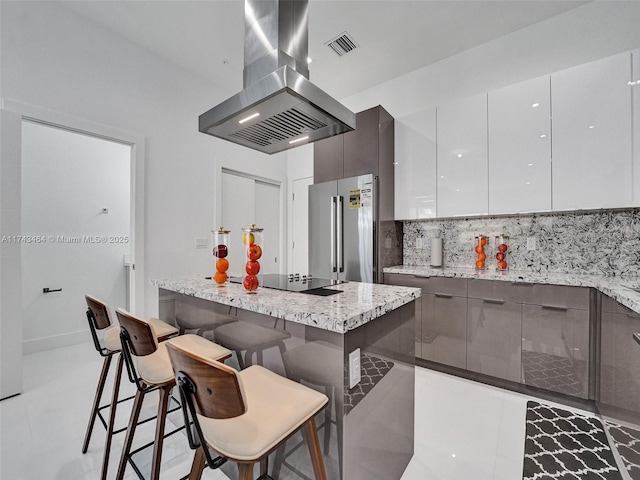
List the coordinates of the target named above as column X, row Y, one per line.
column 342, row 44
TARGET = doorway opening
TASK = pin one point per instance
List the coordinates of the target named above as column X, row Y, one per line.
column 76, row 214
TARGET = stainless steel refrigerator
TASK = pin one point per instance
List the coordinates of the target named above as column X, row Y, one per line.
column 342, row 224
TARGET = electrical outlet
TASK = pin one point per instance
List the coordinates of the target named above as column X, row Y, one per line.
column 387, row 242
column 531, row 243
column 354, row 368
column 419, row 242
column 201, row 242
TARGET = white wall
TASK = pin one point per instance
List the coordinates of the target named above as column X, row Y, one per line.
column 54, row 59
column 595, row 30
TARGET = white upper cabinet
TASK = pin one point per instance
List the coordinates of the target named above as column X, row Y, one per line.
column 520, row 148
column 592, row 148
column 462, row 158
column 415, row 169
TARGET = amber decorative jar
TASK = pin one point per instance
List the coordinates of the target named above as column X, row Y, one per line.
column 481, row 242
column 220, row 254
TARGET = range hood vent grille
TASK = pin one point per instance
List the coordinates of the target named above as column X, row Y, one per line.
column 283, row 126
column 342, row 44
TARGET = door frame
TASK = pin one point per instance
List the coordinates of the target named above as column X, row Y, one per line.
column 137, row 176
column 220, row 169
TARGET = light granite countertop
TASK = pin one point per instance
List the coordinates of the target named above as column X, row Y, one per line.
column 357, row 304
column 618, row 288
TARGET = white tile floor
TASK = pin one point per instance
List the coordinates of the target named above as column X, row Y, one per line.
column 464, row 430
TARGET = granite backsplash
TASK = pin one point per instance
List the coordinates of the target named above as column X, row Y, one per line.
column 595, row 242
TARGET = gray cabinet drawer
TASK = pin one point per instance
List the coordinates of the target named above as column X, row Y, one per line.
column 444, row 330
column 403, row 280
column 561, row 296
column 455, row 287
column 499, row 290
column 494, row 337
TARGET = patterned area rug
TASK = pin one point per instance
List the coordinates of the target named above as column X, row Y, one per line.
column 564, row 445
column 551, row 372
column 627, row 442
column 372, row 370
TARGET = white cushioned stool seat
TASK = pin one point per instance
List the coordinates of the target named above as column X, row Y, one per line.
column 162, row 329
column 155, row 368
column 276, row 407
column 112, row 338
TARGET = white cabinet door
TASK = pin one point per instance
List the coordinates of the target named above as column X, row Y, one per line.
column 415, row 168
column 462, row 170
column 520, row 148
column 591, row 151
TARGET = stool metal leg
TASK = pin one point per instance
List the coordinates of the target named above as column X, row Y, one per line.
column 96, row 402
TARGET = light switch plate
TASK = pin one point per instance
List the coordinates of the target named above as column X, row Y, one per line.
column 354, row 368
column 201, row 242
column 531, row 243
column 419, row 242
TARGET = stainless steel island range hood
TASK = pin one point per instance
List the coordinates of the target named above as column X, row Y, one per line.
column 279, row 107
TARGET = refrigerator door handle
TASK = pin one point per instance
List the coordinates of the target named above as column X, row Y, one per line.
column 334, row 263
column 340, row 240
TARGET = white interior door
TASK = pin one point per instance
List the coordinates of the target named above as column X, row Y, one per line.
column 76, row 217
column 247, row 200
column 300, row 227
column 268, row 217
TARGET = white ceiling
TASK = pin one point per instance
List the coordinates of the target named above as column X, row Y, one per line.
column 395, row 36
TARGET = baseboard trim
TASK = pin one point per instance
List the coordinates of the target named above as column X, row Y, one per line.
column 55, row 341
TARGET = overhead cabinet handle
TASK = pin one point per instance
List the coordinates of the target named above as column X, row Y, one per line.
column 491, row 300
column 340, row 240
column 553, row 307
column 443, row 295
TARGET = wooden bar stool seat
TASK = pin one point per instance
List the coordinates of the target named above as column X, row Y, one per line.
column 244, row 336
column 243, row 415
column 100, row 320
column 149, row 367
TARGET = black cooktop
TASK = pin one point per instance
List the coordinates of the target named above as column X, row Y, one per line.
column 292, row 283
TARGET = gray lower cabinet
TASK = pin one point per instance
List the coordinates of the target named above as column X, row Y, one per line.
column 533, row 334
column 555, row 340
column 416, row 282
column 444, row 321
column 441, row 317
column 493, row 338
column 619, row 373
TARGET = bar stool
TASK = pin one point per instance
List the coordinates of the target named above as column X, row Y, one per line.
column 243, row 415
column 202, row 321
column 320, row 363
column 149, row 367
column 99, row 318
column 244, row 336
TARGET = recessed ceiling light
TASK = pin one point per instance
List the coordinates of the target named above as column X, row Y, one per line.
column 592, row 126
column 529, row 164
column 543, row 135
column 535, row 105
column 309, row 60
column 528, row 183
column 459, row 155
column 246, row 119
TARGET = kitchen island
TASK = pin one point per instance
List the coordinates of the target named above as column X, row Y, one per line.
column 367, row 429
